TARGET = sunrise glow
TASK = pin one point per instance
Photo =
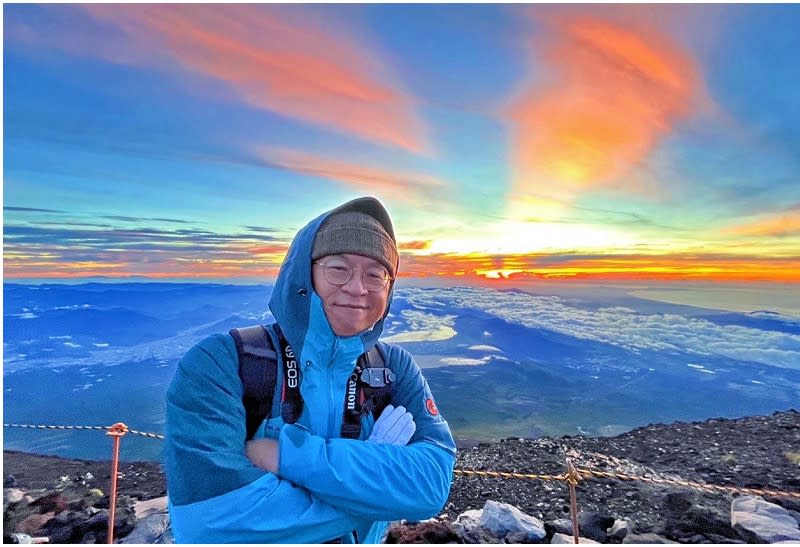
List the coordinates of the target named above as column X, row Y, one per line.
column 562, row 142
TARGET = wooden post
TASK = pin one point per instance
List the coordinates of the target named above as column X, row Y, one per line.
column 572, row 480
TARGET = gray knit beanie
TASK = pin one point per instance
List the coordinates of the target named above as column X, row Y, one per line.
column 357, row 233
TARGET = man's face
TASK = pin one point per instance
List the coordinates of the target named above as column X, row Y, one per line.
column 350, row 308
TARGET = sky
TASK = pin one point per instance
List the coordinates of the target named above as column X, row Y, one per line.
column 511, row 144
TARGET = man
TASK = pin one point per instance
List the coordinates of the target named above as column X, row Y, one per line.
column 302, row 482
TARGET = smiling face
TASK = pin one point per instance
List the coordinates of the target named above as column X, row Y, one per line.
column 350, row 308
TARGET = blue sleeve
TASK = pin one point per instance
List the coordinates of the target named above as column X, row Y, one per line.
column 379, row 481
column 216, row 495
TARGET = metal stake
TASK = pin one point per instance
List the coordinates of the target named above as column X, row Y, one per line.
column 117, row 431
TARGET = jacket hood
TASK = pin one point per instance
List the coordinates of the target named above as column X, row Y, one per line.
column 290, row 302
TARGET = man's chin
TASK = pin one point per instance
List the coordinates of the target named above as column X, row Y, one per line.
column 346, row 333
column 346, row 328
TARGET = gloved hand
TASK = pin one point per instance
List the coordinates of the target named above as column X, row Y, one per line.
column 395, row 426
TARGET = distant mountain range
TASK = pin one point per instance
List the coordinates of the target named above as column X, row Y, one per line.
column 500, row 363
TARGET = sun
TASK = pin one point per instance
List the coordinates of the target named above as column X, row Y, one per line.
column 497, row 274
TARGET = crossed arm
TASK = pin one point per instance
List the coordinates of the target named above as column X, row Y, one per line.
column 394, row 426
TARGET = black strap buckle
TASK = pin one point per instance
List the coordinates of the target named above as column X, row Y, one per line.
column 377, row 377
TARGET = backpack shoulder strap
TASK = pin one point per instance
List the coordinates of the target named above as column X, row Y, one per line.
column 369, row 390
column 373, row 368
column 376, row 381
column 258, row 365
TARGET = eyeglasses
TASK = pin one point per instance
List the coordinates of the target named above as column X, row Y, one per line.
column 339, row 272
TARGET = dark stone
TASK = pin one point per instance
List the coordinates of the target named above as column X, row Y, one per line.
column 716, row 538
column 98, row 521
column 706, row 521
column 78, row 505
column 519, row 537
column 677, row 503
column 61, row 533
column 125, row 522
column 425, row 532
column 559, row 526
column 684, row 519
column 478, row 535
column 593, row 525
column 9, row 481
column 53, row 502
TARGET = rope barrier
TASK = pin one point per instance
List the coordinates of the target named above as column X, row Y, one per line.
column 577, row 475
column 86, row 427
column 690, row 484
column 507, row 475
column 27, row 426
column 583, row 473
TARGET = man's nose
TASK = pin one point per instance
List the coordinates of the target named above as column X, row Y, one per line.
column 355, row 285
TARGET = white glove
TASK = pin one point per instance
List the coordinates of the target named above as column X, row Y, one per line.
column 395, row 426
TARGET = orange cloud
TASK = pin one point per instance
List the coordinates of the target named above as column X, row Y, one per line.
column 279, row 59
column 520, row 270
column 606, row 96
column 437, row 269
column 413, row 245
column 269, row 251
column 398, row 185
column 783, row 224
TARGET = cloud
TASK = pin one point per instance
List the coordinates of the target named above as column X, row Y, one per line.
column 605, row 94
column 144, row 219
column 261, row 229
column 418, row 326
column 399, row 185
column 785, row 223
column 619, row 326
column 282, row 59
column 515, row 270
column 413, row 245
column 29, row 210
column 50, row 249
column 66, row 251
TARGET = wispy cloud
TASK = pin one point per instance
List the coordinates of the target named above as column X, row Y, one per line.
column 29, row 210
column 277, row 58
column 284, row 59
column 144, row 219
column 604, row 95
column 399, row 185
column 784, row 223
column 66, row 251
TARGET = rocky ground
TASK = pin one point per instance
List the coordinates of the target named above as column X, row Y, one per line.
column 753, row 452
column 139, row 480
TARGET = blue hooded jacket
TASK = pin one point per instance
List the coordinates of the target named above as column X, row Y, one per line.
column 327, row 487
